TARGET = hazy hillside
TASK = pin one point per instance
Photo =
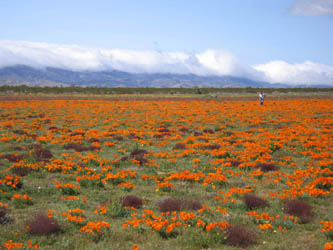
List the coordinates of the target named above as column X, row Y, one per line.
column 21, row 74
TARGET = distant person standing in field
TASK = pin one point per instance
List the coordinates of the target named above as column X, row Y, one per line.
column 261, row 98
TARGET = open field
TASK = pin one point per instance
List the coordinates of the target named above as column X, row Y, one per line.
column 149, row 172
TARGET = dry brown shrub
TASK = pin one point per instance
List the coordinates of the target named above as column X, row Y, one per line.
column 240, row 236
column 266, row 167
column 159, row 136
column 212, row 146
column 41, row 224
column 77, row 133
column 209, row 131
column 179, row 146
column 132, row 201
column 184, row 130
column 138, row 152
column 253, row 201
column 138, row 155
column 21, row 171
column 164, row 130
column 170, row 204
column 12, row 157
column 197, row 133
column 80, row 148
column 134, row 136
column 53, row 128
column 234, row 163
column 5, row 216
column 93, row 140
column 42, row 154
column 300, row 209
column 203, row 139
column 119, row 138
column 191, row 205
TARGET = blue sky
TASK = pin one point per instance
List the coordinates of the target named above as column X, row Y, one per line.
column 254, row 33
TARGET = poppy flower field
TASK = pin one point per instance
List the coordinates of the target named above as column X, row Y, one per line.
column 180, row 173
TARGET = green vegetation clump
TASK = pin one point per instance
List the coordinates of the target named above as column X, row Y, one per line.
column 23, row 89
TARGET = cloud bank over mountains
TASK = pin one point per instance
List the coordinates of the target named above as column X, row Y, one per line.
column 312, row 7
column 209, row 62
column 307, row 72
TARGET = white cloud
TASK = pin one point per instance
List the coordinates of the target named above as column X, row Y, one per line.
column 312, row 7
column 299, row 73
column 224, row 63
column 209, row 62
column 81, row 58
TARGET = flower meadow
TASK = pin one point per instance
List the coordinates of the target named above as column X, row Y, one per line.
column 154, row 173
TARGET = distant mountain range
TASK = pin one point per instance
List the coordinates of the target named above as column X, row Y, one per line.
column 25, row 75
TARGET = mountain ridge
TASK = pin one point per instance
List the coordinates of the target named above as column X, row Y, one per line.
column 26, row 75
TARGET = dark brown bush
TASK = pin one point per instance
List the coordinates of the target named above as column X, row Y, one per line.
column 93, row 140
column 228, row 133
column 132, row 201
column 12, row 157
column 240, row 236
column 170, row 204
column 119, row 138
column 19, row 132
column 234, row 163
column 41, row 224
column 42, row 154
column 159, row 136
column 139, row 152
column 4, row 216
column 197, row 133
column 203, row 139
column 112, row 133
column 164, row 130
column 79, row 148
column 141, row 159
column 232, row 142
column 33, row 136
column 35, row 146
column 134, row 136
column 92, row 148
column 266, row 167
column 208, row 131
column 3, row 212
column 191, row 205
column 53, row 128
column 124, row 158
column 180, row 146
column 300, row 209
column 18, row 148
column 139, row 156
column 77, row 133
column 184, row 130
column 21, row 171
column 212, row 146
column 75, row 146
column 253, row 201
